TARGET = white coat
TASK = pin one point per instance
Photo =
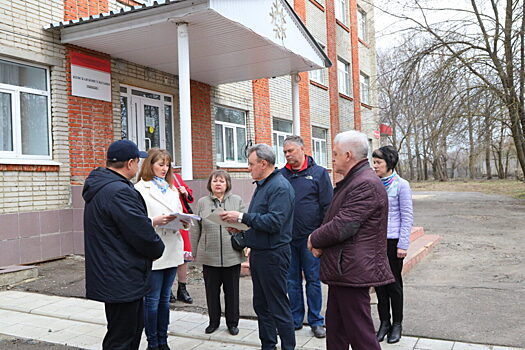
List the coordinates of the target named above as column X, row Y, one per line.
column 159, row 203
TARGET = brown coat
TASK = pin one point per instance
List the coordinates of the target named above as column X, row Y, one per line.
column 353, row 233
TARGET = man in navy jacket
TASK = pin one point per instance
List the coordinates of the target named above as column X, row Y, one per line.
column 120, row 245
column 313, row 194
column 270, row 220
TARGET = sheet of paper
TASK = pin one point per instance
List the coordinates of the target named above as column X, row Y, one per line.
column 174, row 225
column 186, row 217
column 214, row 217
column 177, row 224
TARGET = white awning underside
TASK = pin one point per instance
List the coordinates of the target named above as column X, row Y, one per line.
column 230, row 40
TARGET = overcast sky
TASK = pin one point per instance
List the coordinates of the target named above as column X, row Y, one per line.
column 389, row 29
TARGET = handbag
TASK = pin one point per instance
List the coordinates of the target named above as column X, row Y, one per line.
column 238, row 241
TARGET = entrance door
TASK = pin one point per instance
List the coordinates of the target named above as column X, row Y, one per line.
column 148, row 130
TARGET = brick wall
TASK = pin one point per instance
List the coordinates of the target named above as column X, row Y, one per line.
column 201, row 123
column 281, row 97
column 346, row 114
column 261, row 111
column 90, row 128
column 74, row 9
column 22, row 38
column 331, row 50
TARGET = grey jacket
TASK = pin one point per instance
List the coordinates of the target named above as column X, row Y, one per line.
column 211, row 242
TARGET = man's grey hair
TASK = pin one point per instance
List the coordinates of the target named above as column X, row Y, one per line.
column 298, row 140
column 263, row 152
column 353, row 141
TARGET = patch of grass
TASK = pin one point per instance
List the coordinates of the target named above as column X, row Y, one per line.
column 510, row 188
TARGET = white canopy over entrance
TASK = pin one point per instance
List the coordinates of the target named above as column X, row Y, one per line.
column 211, row 41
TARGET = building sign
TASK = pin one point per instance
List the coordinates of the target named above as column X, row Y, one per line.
column 90, row 76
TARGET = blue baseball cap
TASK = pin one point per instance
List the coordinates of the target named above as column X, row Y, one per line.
column 123, row 150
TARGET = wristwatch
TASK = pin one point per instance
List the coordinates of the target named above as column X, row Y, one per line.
column 239, row 219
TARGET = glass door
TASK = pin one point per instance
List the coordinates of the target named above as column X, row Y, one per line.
column 147, row 128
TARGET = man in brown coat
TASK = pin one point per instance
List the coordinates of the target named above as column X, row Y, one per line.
column 352, row 245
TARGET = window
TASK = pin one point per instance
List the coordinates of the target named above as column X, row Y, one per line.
column 24, row 112
column 361, row 25
column 365, row 88
column 230, row 135
column 147, row 118
column 319, row 146
column 341, row 11
column 318, row 75
column 281, row 129
column 343, row 77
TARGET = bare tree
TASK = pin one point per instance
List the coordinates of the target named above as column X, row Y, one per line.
column 488, row 41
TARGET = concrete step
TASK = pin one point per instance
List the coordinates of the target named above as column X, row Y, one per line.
column 420, row 245
column 13, row 274
column 418, row 249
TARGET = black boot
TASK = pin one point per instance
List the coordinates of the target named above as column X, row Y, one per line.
column 384, row 329
column 172, row 297
column 183, row 295
column 395, row 334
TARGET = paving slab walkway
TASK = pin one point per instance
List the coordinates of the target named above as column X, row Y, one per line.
column 81, row 323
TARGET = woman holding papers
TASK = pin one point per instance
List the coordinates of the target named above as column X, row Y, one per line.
column 212, row 248
column 160, row 196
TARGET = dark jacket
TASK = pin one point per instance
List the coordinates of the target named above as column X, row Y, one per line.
column 353, row 233
column 120, row 242
column 270, row 215
column 313, row 194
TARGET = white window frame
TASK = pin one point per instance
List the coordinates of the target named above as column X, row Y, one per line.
column 15, row 156
column 280, row 161
column 341, row 11
column 343, row 77
column 316, row 144
column 364, row 81
column 234, row 126
column 362, row 29
column 134, row 130
column 318, row 75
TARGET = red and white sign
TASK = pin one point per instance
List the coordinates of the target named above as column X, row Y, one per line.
column 377, row 134
column 90, row 76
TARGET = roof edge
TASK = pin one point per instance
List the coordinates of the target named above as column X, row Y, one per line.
column 306, row 32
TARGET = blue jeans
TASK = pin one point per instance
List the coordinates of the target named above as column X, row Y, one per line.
column 303, row 261
column 157, row 306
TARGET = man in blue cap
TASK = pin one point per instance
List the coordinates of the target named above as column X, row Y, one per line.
column 120, row 245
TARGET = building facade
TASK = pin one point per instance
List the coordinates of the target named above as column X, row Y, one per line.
column 57, row 124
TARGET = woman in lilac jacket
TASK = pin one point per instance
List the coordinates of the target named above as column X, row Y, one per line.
column 400, row 219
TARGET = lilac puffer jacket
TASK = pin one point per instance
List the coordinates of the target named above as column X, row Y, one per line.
column 400, row 214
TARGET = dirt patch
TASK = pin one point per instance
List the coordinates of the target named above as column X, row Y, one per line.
column 510, row 188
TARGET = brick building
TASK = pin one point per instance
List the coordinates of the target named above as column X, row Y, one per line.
column 204, row 79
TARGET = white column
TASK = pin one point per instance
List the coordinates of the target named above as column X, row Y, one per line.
column 295, row 104
column 184, row 101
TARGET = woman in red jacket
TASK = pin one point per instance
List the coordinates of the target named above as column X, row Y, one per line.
column 185, row 194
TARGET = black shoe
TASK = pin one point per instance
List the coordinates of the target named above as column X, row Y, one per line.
column 183, row 295
column 233, row 330
column 299, row 327
column 164, row 347
column 210, row 329
column 319, row 331
column 150, row 348
column 395, row 334
column 172, row 298
column 383, row 330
